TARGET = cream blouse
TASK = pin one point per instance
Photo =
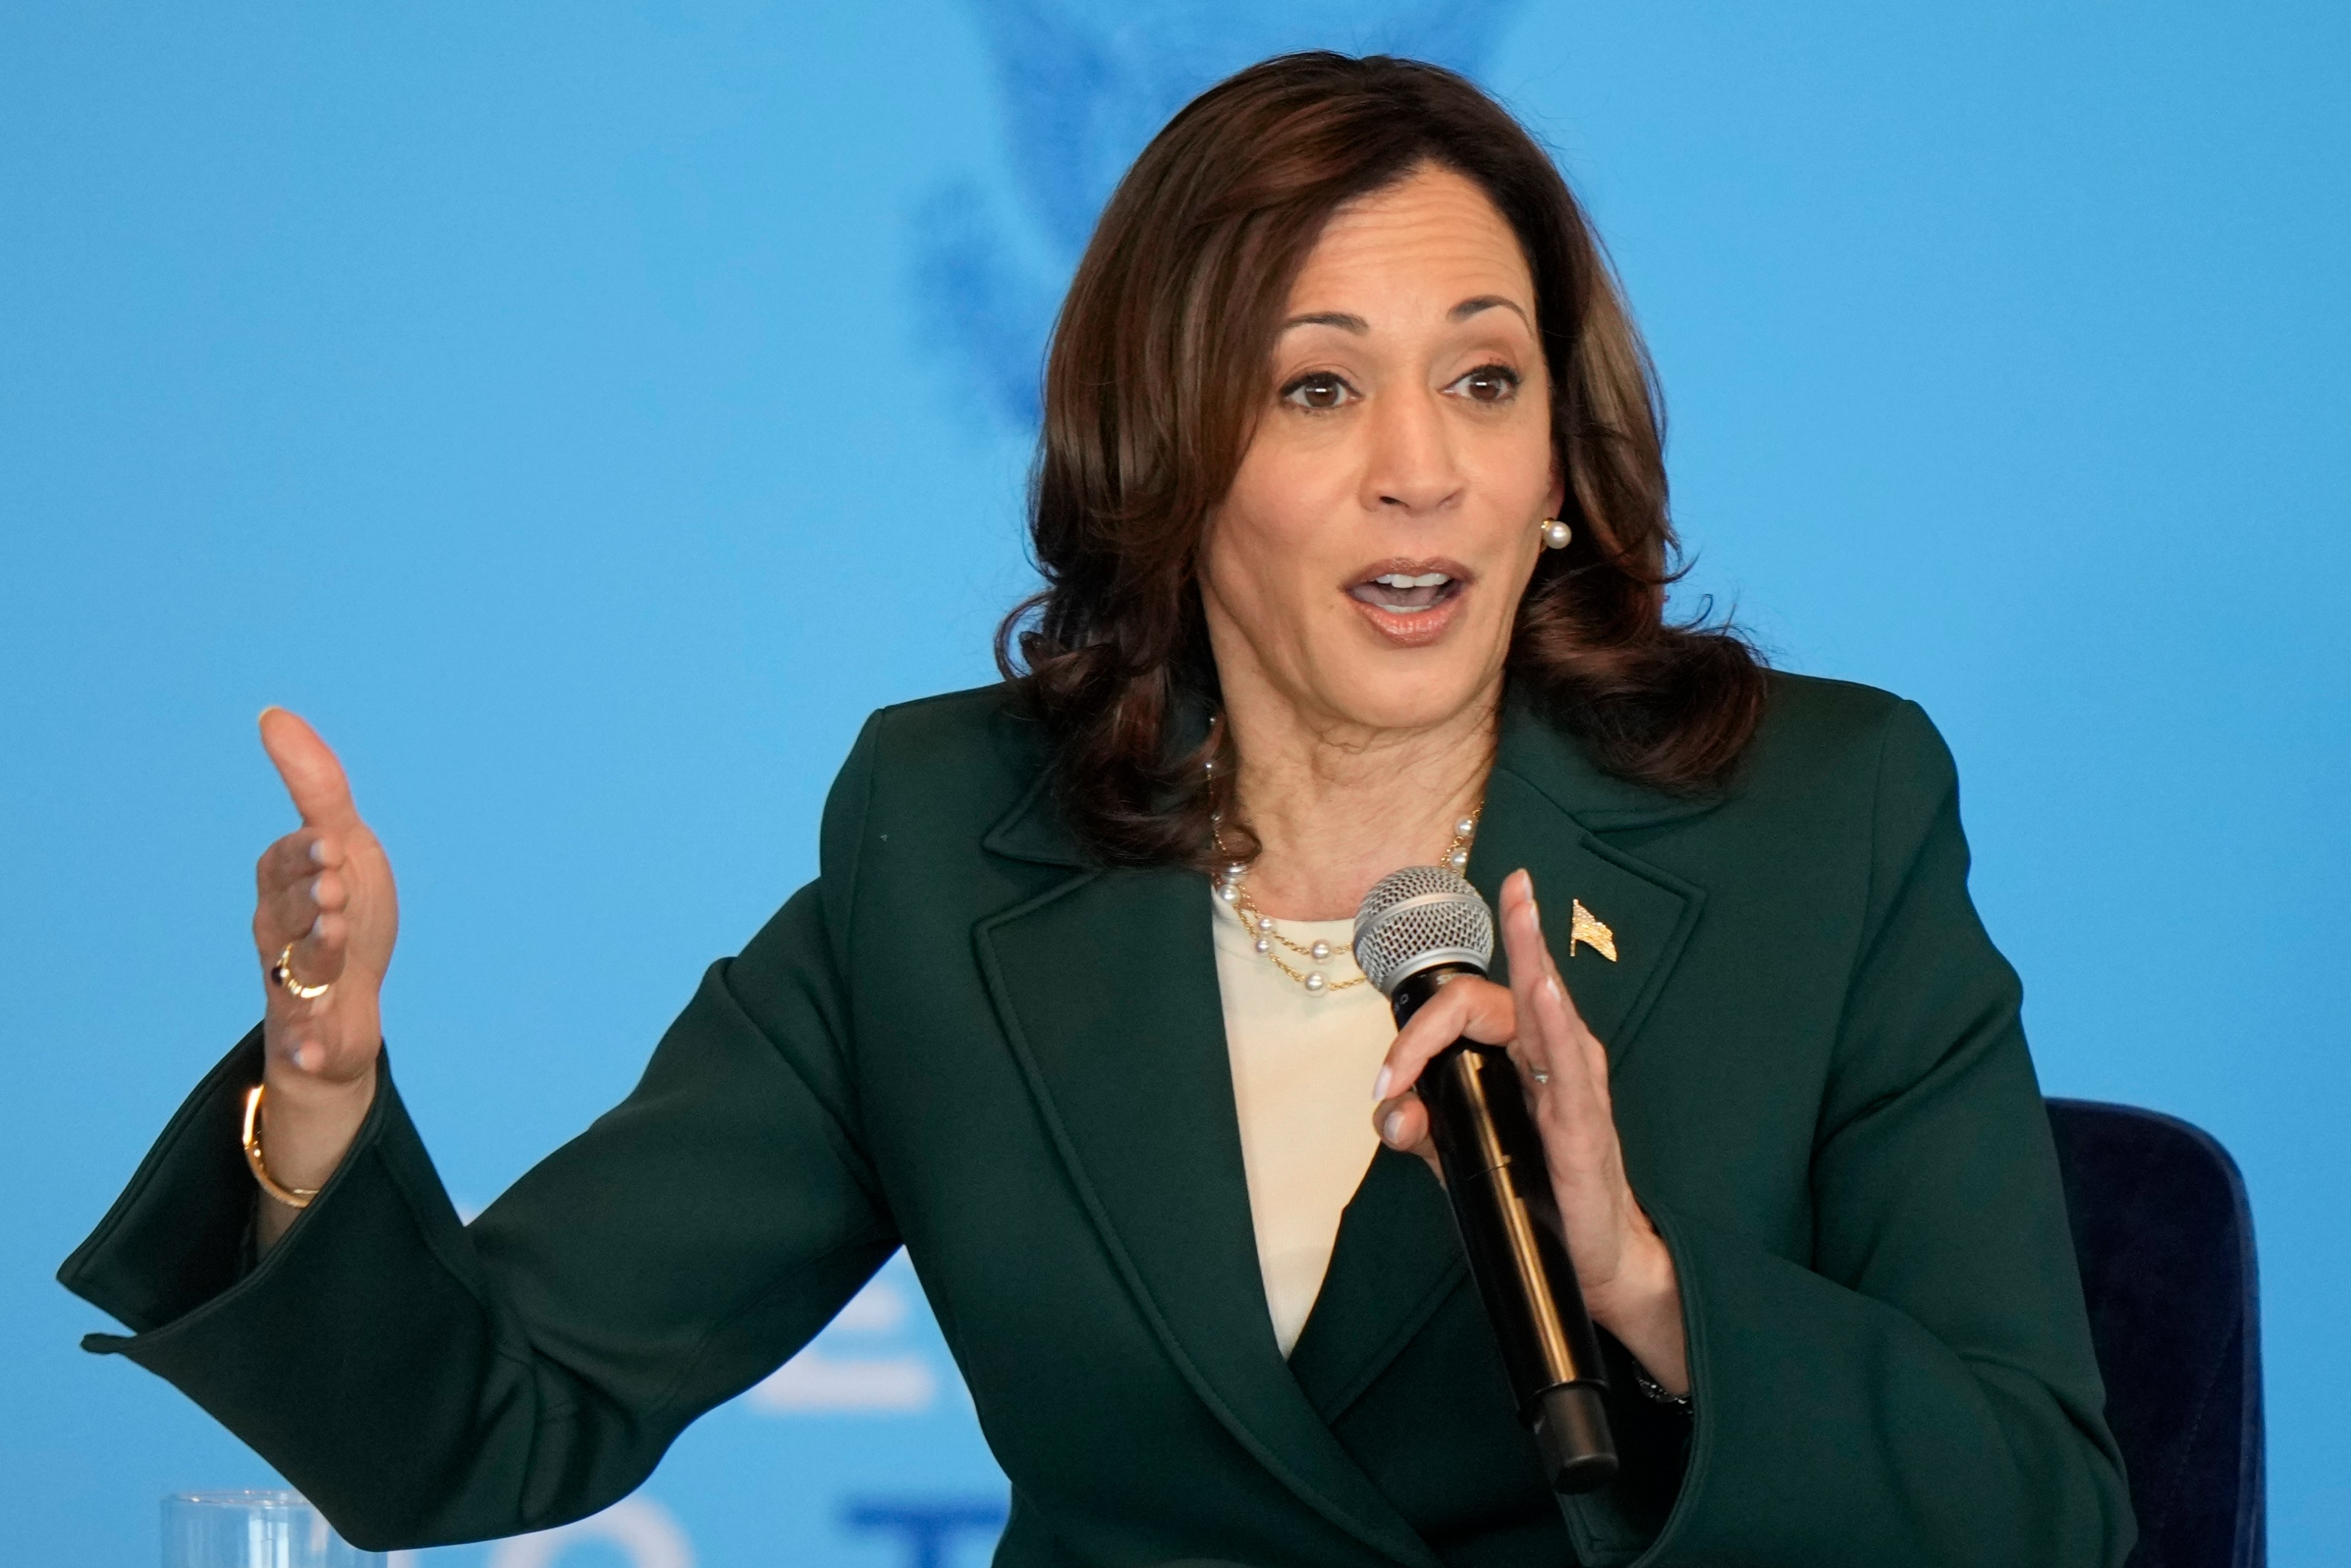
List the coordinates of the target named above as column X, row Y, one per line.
column 1302, row 1067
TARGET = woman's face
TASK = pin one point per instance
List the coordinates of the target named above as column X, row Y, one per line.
column 1368, row 560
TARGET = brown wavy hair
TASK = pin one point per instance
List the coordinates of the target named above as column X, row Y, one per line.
column 1155, row 379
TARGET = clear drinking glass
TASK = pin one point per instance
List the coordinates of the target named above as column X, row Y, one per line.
column 253, row 1530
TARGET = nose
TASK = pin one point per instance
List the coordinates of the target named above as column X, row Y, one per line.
column 1412, row 469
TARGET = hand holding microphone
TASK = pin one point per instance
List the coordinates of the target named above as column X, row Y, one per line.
column 1560, row 1103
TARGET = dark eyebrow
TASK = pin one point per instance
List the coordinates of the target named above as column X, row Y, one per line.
column 1461, row 312
column 1469, row 307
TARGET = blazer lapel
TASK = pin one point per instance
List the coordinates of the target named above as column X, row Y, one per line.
column 1106, row 987
column 1397, row 1255
column 1544, row 801
column 1396, row 1260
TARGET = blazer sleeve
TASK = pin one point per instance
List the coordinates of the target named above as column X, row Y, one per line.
column 425, row 1382
column 1925, row 1391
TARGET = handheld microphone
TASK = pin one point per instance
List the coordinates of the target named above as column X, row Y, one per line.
column 1418, row 929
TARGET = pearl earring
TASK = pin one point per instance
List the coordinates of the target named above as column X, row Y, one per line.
column 1556, row 534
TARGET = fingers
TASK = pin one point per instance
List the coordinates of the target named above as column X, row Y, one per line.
column 1552, row 1036
column 324, row 907
column 313, row 778
column 310, row 917
column 299, row 878
column 1535, row 1018
column 1477, row 1008
column 302, row 890
column 299, row 855
column 302, row 894
column 1402, row 1122
column 1530, row 966
column 311, row 1033
column 1572, row 1106
column 315, row 953
column 1402, row 1119
column 1468, row 1007
column 300, row 908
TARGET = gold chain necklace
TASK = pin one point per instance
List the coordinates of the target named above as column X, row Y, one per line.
column 1232, row 887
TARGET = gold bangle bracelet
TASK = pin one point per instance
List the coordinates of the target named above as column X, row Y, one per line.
column 291, row 1196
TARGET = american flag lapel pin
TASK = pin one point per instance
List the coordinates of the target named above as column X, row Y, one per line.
column 1589, row 930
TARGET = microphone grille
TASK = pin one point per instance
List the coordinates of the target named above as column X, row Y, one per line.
column 1421, row 915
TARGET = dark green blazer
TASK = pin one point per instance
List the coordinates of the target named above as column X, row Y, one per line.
column 965, row 1039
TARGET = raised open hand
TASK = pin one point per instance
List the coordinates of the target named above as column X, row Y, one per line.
column 326, row 889
column 325, row 906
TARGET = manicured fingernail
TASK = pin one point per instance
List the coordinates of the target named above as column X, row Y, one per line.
column 1392, row 1128
column 1552, row 989
column 1380, row 1084
column 313, row 889
column 317, row 851
column 301, row 1056
column 319, row 926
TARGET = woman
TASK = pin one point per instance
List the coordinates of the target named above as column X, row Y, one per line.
column 1352, row 515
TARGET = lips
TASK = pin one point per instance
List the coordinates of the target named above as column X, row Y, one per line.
column 1410, row 603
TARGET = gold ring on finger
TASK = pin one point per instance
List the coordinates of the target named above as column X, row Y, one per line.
column 281, row 974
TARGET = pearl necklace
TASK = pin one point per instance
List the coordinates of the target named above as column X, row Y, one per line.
column 1233, row 889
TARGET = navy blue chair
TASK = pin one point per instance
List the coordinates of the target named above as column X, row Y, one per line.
column 2165, row 1244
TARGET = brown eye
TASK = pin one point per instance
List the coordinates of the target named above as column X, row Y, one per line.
column 1490, row 383
column 1319, row 391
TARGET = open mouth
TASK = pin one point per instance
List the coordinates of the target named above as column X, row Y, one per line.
column 1406, row 593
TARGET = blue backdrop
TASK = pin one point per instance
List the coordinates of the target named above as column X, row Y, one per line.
column 587, row 415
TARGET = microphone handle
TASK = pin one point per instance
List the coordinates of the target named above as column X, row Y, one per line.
column 1500, row 1186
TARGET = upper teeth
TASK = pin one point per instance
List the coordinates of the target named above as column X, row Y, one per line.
column 1400, row 579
